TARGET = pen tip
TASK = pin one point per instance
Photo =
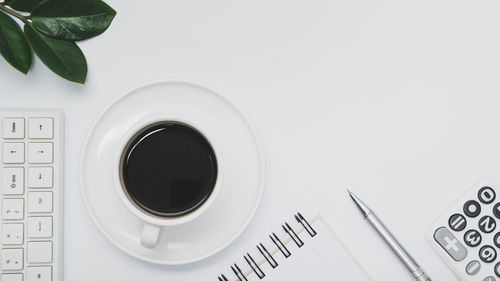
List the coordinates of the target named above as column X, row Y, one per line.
column 362, row 207
column 350, row 193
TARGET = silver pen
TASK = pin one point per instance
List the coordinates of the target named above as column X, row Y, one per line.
column 403, row 255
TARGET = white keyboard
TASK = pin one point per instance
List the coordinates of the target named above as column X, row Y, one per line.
column 31, row 178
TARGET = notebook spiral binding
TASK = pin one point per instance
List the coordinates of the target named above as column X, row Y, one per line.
column 267, row 255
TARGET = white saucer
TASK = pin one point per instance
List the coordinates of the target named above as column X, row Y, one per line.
column 235, row 203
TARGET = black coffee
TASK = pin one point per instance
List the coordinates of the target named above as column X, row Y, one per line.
column 169, row 169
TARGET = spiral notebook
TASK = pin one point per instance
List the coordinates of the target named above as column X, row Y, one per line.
column 307, row 249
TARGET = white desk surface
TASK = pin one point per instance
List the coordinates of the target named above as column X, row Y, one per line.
column 397, row 100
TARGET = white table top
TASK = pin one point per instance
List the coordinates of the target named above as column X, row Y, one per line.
column 396, row 100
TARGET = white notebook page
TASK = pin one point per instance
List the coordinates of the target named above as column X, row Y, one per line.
column 322, row 257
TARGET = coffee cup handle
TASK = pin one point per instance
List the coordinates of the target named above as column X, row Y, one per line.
column 150, row 235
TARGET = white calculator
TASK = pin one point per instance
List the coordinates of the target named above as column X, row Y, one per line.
column 467, row 235
column 31, row 177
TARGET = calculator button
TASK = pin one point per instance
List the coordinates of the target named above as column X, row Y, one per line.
column 472, row 238
column 12, row 233
column 40, row 152
column 12, row 277
column 40, row 202
column 450, row 244
column 39, row 273
column 486, row 195
column 13, row 128
column 497, row 269
column 473, row 267
column 12, row 209
column 487, row 254
column 40, row 177
column 13, row 153
column 489, row 278
column 496, row 240
column 41, row 128
column 457, row 222
column 13, row 181
column 472, row 208
column 12, row 259
column 39, row 252
column 487, row 224
column 496, row 210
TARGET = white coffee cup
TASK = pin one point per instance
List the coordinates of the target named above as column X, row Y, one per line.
column 154, row 225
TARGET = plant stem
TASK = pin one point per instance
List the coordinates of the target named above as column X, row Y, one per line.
column 13, row 13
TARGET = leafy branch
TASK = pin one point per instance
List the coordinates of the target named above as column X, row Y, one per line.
column 51, row 28
column 13, row 13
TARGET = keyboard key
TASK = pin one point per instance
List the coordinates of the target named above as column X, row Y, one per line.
column 39, row 227
column 41, row 128
column 497, row 269
column 40, row 152
column 473, row 267
column 39, row 273
column 12, row 277
column 487, row 224
column 457, row 222
column 472, row 238
column 13, row 209
column 450, row 244
column 487, row 254
column 489, row 278
column 13, row 153
column 12, row 233
column 13, row 181
column 12, row 259
column 40, row 202
column 40, row 177
column 486, row 195
column 13, row 128
column 39, row 252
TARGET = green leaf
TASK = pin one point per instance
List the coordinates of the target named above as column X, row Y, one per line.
column 13, row 45
column 72, row 20
column 62, row 57
column 23, row 5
